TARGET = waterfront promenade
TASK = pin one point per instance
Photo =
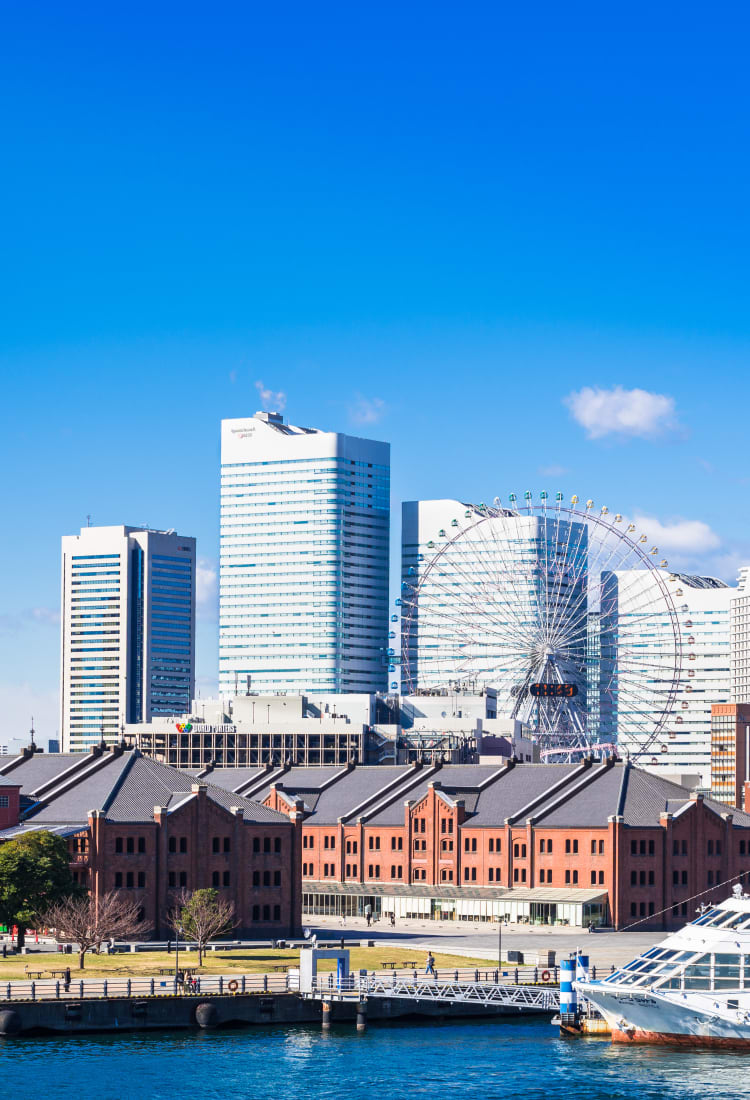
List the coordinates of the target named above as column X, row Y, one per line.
column 480, row 941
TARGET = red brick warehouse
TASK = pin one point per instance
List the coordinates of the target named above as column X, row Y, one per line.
column 142, row 827
column 544, row 843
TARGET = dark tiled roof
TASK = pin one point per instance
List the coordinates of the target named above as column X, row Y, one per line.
column 648, row 795
column 453, row 780
column 228, row 778
column 516, row 789
column 42, row 767
column 586, row 803
column 90, row 792
column 128, row 787
column 309, row 780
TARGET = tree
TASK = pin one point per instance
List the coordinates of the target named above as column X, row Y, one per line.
column 201, row 916
column 90, row 921
column 34, row 874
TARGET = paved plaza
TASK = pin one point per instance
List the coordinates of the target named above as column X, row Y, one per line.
column 481, row 940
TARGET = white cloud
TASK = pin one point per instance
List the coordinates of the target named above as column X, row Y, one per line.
column 271, row 402
column 684, row 536
column 206, row 590
column 367, row 410
column 552, row 471
column 622, row 412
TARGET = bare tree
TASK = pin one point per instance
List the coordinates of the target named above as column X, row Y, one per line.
column 89, row 922
column 201, row 916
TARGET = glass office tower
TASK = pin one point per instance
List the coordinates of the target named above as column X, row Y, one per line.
column 304, row 559
column 128, row 630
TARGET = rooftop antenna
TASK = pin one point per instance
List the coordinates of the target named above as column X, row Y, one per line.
column 88, row 519
column 31, row 733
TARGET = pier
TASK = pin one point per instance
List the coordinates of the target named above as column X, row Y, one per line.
column 38, row 1007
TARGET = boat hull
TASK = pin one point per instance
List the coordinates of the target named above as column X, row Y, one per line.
column 650, row 1018
column 687, row 1042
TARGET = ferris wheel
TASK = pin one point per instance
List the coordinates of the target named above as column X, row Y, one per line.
column 563, row 609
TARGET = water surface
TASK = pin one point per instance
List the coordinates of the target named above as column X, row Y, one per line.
column 516, row 1059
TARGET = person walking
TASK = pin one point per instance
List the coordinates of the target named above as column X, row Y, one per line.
column 368, row 913
column 430, row 968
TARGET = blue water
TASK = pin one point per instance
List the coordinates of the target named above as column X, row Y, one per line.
column 494, row 1059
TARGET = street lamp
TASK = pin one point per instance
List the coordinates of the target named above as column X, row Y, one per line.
column 178, row 930
column 500, row 944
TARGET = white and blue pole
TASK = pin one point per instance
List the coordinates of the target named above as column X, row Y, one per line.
column 568, row 999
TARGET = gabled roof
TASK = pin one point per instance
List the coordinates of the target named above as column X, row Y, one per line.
column 127, row 787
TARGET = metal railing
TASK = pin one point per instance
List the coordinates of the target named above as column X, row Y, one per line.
column 467, row 985
column 87, row 988
column 544, row 998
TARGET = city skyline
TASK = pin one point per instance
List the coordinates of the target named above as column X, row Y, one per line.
column 688, row 542
column 516, row 255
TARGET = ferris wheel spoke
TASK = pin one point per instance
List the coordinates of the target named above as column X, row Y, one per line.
column 548, row 594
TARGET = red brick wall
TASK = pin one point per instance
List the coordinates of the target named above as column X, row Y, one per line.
column 9, row 814
column 639, row 883
column 255, row 866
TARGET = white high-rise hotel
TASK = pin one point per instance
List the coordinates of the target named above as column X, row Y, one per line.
column 304, row 559
column 128, row 630
column 703, row 609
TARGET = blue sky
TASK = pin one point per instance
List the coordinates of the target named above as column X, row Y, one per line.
column 470, row 230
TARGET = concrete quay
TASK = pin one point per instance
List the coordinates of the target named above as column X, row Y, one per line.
column 202, row 1012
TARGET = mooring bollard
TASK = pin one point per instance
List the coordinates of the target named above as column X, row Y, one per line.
column 362, row 1016
column 325, row 1022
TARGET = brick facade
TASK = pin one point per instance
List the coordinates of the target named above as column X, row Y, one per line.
column 196, row 840
column 654, row 874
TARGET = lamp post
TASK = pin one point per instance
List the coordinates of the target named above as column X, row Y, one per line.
column 178, row 930
column 500, row 944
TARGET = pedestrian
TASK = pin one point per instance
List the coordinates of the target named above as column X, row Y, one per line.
column 368, row 913
column 393, row 920
column 430, row 968
column 67, row 979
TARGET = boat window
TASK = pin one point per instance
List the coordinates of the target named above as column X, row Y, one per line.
column 698, row 974
column 739, row 920
column 705, row 918
column 731, row 919
column 727, row 971
column 717, row 918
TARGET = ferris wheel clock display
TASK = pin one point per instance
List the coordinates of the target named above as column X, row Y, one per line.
column 563, row 609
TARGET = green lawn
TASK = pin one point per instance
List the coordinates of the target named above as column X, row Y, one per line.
column 147, row 963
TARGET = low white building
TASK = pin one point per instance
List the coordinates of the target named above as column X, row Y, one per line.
column 247, row 730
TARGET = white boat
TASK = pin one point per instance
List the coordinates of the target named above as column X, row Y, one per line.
column 693, row 988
